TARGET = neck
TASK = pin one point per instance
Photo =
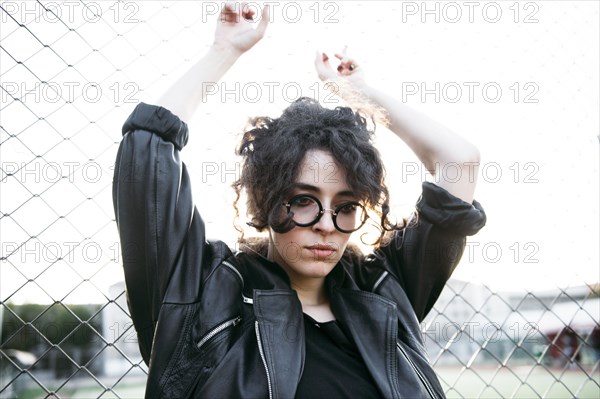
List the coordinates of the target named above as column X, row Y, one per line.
column 311, row 293
column 314, row 300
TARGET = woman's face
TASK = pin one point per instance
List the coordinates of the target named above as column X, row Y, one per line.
column 311, row 252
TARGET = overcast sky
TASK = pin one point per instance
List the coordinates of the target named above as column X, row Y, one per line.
column 518, row 79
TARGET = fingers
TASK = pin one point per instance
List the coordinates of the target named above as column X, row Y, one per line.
column 321, row 60
column 247, row 12
column 232, row 11
column 248, row 15
column 342, row 55
column 264, row 21
column 344, row 59
column 322, row 66
column 229, row 13
column 347, row 65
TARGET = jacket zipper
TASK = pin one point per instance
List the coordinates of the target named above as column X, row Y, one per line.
column 380, row 280
column 233, row 269
column 421, row 376
column 262, row 356
column 218, row 329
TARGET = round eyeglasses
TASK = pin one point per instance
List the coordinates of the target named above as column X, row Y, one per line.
column 306, row 210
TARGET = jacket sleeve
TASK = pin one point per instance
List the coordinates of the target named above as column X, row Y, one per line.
column 424, row 254
column 154, row 210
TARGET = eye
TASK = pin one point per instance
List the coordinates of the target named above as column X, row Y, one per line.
column 303, row 201
column 348, row 208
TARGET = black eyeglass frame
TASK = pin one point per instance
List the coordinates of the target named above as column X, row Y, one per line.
column 334, row 212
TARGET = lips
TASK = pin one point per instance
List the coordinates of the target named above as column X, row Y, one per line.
column 322, row 251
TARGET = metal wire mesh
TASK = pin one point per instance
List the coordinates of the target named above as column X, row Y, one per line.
column 70, row 74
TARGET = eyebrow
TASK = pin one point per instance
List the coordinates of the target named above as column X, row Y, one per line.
column 309, row 187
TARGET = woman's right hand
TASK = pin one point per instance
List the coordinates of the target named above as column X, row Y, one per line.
column 234, row 29
column 234, row 36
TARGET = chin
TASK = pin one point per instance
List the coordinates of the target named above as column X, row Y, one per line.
column 317, row 268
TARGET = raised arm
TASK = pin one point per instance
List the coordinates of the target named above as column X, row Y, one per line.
column 161, row 232
column 424, row 254
column 434, row 144
column 234, row 35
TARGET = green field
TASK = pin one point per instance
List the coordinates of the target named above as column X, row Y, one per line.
column 480, row 382
column 519, row 382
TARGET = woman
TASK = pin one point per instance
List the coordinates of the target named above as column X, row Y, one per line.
column 301, row 316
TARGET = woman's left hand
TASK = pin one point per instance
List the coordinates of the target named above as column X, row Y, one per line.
column 348, row 69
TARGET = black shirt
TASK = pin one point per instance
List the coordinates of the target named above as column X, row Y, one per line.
column 333, row 366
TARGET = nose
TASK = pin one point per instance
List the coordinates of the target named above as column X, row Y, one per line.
column 325, row 223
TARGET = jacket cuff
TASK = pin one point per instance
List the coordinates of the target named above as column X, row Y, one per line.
column 439, row 207
column 158, row 120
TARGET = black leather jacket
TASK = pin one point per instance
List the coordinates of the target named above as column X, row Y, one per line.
column 215, row 324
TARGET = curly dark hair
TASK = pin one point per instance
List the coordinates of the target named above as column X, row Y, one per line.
column 273, row 151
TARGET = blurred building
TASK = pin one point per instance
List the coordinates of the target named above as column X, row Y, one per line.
column 471, row 323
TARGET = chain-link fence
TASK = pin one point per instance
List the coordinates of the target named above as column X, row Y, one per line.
column 71, row 71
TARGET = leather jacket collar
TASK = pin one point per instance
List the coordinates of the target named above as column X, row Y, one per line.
column 371, row 320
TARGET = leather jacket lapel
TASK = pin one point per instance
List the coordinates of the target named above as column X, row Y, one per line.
column 371, row 320
column 280, row 336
